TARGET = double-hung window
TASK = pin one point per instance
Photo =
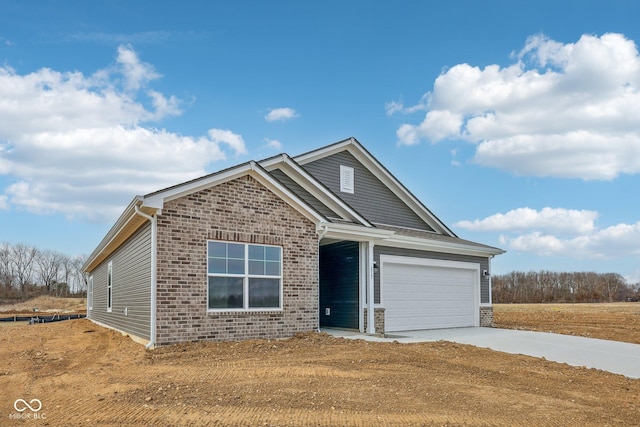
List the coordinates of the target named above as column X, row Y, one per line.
column 244, row 276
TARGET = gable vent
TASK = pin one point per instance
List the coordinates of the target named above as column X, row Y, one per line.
column 346, row 179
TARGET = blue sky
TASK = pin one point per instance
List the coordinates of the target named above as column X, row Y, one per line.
column 517, row 124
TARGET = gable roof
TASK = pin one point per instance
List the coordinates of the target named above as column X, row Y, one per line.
column 251, row 168
column 333, row 217
column 131, row 219
column 357, row 150
column 315, row 189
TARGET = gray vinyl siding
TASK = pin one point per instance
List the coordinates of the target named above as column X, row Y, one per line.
column 371, row 198
column 303, row 194
column 131, row 286
column 384, row 250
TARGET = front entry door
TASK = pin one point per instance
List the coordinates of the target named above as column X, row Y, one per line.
column 339, row 273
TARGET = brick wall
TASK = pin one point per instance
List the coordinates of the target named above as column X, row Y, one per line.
column 378, row 319
column 241, row 210
column 486, row 316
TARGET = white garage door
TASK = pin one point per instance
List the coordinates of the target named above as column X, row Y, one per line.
column 429, row 294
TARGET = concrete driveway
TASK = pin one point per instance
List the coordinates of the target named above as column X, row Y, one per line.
column 612, row 356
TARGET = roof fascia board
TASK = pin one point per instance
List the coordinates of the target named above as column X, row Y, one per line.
column 356, row 233
column 251, row 168
column 315, row 188
column 323, row 152
column 157, row 199
column 262, row 176
column 113, row 233
column 155, row 202
column 390, row 238
column 359, row 152
column 408, row 242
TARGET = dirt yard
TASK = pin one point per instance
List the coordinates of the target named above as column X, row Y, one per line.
column 45, row 305
column 616, row 321
column 86, row 375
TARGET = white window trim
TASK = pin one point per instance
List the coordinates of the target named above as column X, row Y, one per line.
column 90, row 293
column 245, row 283
column 110, row 287
column 347, row 179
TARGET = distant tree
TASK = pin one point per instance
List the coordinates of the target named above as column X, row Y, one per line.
column 611, row 285
column 548, row 286
column 66, row 271
column 23, row 259
column 49, row 265
column 26, row 271
column 6, row 268
column 78, row 278
column 60, row 289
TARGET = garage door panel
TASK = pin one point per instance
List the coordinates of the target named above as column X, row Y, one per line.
column 417, row 296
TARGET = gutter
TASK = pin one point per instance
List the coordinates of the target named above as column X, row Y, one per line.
column 154, row 234
column 322, row 230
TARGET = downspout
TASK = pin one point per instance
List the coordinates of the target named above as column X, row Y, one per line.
column 154, row 234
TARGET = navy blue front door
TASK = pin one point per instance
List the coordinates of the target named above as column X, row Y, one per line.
column 339, row 268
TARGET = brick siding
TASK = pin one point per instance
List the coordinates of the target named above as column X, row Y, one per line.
column 378, row 319
column 486, row 317
column 245, row 211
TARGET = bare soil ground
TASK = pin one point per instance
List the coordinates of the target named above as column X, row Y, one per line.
column 44, row 304
column 616, row 321
column 87, row 375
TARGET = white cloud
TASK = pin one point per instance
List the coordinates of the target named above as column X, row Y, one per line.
column 561, row 110
column 280, row 114
column 75, row 144
column 558, row 220
column 273, row 143
column 437, row 125
column 560, row 232
column 136, row 73
column 234, row 141
column 454, row 157
column 621, row 240
column 393, row 107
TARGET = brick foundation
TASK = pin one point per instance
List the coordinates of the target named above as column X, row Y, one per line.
column 486, row 316
column 378, row 314
column 241, row 210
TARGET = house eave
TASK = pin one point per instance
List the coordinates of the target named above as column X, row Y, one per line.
column 127, row 224
column 408, row 242
column 356, row 233
column 290, row 167
column 356, row 149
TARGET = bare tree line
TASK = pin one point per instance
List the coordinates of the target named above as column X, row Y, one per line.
column 27, row 271
column 548, row 286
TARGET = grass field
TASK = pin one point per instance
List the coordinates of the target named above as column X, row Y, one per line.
column 615, row 321
column 46, row 304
